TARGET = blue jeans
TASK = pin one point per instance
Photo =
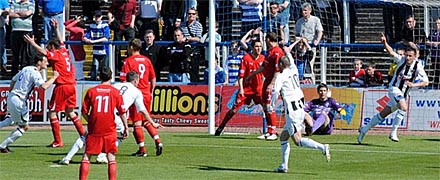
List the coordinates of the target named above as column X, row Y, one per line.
column 179, row 77
column 49, row 32
column 99, row 61
column 3, row 45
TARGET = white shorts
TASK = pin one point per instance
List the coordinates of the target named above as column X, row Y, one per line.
column 294, row 116
column 18, row 109
column 395, row 95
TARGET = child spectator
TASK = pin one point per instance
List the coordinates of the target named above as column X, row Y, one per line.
column 302, row 54
column 232, row 66
column 373, row 77
column 77, row 54
column 220, row 75
column 97, row 33
column 357, row 76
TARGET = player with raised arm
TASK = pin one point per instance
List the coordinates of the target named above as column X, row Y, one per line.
column 98, row 109
column 22, row 85
column 287, row 85
column 64, row 93
column 409, row 73
column 147, row 82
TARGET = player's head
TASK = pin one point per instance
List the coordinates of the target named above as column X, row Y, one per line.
column 271, row 37
column 411, row 55
column 53, row 44
column 284, row 63
column 135, row 45
column 40, row 61
column 105, row 74
column 322, row 90
column 133, row 77
column 257, row 47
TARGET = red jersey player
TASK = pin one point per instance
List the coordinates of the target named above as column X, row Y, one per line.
column 270, row 71
column 248, row 90
column 147, row 82
column 64, row 93
column 98, row 108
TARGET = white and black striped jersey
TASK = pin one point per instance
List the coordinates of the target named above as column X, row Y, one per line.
column 407, row 73
column 25, row 81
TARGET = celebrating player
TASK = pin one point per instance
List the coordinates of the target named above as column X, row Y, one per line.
column 287, row 83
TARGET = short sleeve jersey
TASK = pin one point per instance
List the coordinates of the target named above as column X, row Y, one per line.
column 141, row 65
column 100, row 103
column 131, row 94
column 61, row 62
column 271, row 62
column 248, row 65
column 25, row 81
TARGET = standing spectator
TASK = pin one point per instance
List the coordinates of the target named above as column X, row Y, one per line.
column 393, row 66
column 276, row 22
column 21, row 86
column 78, row 55
column 171, row 10
column 311, row 28
column 409, row 73
column 357, row 75
column 396, row 13
column 433, row 42
column 98, row 109
column 220, row 75
column 413, row 35
column 203, row 12
column 373, row 78
column 64, row 94
column 21, row 22
column 270, row 72
column 122, row 15
column 284, row 9
column 98, row 32
column 4, row 20
column 52, row 9
column 179, row 57
column 149, row 15
column 192, row 30
column 154, row 52
column 248, row 90
column 251, row 14
column 205, row 39
column 302, row 54
column 89, row 7
column 147, row 82
column 320, row 110
column 232, row 66
column 287, row 84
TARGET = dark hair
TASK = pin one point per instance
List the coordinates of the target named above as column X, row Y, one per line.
column 54, row 42
column 148, row 31
column 105, row 74
column 38, row 57
column 371, row 64
column 273, row 3
column 131, row 76
column 254, row 42
column 411, row 49
column 81, row 24
column 321, row 86
column 273, row 37
column 136, row 44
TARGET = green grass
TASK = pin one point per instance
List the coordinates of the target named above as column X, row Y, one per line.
column 201, row 156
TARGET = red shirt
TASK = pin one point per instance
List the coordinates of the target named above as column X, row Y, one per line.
column 117, row 9
column 99, row 104
column 248, row 65
column 271, row 63
column 142, row 66
column 61, row 62
column 76, row 34
column 360, row 74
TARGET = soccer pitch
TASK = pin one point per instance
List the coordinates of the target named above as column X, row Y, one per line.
column 201, row 156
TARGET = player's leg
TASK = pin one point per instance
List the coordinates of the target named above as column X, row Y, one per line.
column 76, row 121
column 155, row 135
column 270, row 116
column 84, row 167
column 400, row 114
column 285, row 152
column 318, row 122
column 15, row 134
column 111, row 167
column 138, row 133
column 239, row 101
column 111, row 149
column 79, row 144
column 20, row 115
column 56, row 104
column 102, row 157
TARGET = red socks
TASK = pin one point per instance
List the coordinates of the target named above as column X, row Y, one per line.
column 139, row 137
column 84, row 169
column 55, row 124
column 153, row 132
column 111, row 170
column 78, row 125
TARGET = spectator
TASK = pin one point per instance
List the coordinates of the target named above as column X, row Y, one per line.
column 433, row 42
column 171, row 10
column 396, row 13
column 149, row 15
column 284, row 8
column 232, row 66
column 21, row 22
column 121, row 15
column 98, row 32
column 373, row 77
column 251, row 14
column 192, row 30
column 311, row 28
column 4, row 20
column 179, row 57
column 412, row 35
column 251, row 35
column 203, row 12
column 357, row 75
column 154, row 52
column 52, row 9
column 393, row 66
column 277, row 22
column 220, row 75
column 78, row 55
column 302, row 54
column 205, row 39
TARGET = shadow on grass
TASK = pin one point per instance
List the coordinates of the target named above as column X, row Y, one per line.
column 76, row 162
column 210, row 136
column 56, row 153
column 356, row 144
column 214, row 168
column 432, row 140
column 433, row 167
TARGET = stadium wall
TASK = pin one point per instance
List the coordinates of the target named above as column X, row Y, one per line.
column 187, row 105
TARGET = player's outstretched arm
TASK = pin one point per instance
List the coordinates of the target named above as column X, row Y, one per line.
column 50, row 81
column 31, row 41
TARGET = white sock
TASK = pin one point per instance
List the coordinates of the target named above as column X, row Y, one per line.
column 310, row 143
column 142, row 144
column 79, row 143
column 285, row 153
column 374, row 121
column 17, row 133
column 397, row 120
column 6, row 122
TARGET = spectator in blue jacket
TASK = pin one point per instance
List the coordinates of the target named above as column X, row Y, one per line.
column 220, row 75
